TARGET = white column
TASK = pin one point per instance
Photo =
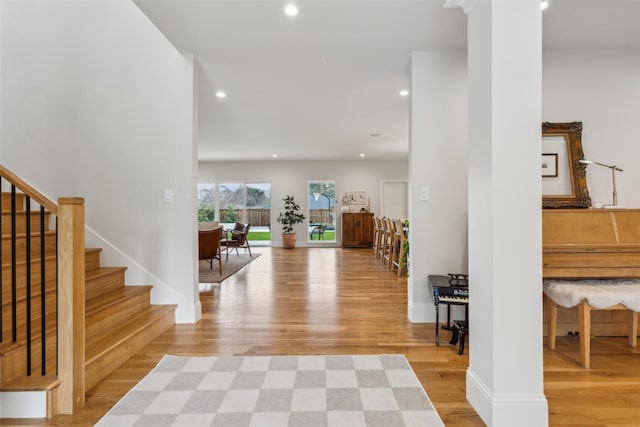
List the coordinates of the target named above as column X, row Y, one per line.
column 505, row 376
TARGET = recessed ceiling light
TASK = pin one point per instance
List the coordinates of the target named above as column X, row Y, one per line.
column 274, row 155
column 361, row 154
column 544, row 4
column 404, row 92
column 221, row 94
column 291, row 9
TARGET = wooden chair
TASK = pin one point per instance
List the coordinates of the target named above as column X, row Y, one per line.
column 209, row 246
column 237, row 238
column 381, row 239
column 376, row 236
column 387, row 241
column 398, row 246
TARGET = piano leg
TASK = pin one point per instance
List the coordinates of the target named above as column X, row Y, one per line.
column 437, row 323
column 447, row 327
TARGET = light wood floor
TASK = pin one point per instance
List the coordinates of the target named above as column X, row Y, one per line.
column 341, row 301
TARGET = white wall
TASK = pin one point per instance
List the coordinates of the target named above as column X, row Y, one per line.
column 601, row 89
column 438, row 163
column 292, row 177
column 97, row 104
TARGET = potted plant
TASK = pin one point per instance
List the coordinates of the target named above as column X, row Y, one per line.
column 288, row 219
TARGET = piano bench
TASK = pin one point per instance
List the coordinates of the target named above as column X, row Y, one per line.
column 591, row 295
column 458, row 333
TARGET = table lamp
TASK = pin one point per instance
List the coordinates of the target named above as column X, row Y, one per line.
column 613, row 176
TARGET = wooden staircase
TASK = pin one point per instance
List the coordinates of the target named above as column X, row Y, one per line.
column 118, row 320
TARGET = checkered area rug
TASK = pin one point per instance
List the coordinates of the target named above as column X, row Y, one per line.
column 274, row 391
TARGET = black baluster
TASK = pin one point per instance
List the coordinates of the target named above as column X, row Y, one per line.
column 43, row 289
column 14, row 291
column 27, row 219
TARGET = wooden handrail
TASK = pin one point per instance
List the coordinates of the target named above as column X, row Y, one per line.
column 29, row 190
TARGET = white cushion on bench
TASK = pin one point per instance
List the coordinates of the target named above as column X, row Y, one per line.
column 599, row 293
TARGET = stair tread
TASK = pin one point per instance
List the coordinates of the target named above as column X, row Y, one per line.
column 32, row 383
column 99, row 345
column 33, row 259
column 34, row 233
column 23, row 212
column 105, row 300
column 7, row 346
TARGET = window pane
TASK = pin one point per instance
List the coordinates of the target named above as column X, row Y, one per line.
column 206, row 202
column 322, row 211
column 231, row 202
column 259, row 210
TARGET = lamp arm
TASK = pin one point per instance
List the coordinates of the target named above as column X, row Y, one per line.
column 609, row 166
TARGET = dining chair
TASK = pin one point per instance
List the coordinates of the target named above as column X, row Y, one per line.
column 237, row 238
column 399, row 238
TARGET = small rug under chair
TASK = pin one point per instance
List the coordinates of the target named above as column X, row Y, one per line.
column 274, row 391
column 229, row 267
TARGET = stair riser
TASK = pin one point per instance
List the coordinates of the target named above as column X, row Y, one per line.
column 21, row 225
column 104, row 284
column 97, row 370
column 14, row 363
column 91, row 260
column 21, row 247
column 104, row 319
column 50, row 319
column 21, row 280
column 6, row 201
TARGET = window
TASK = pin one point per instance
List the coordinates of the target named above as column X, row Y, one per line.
column 232, row 202
column 322, row 211
column 206, row 202
column 237, row 202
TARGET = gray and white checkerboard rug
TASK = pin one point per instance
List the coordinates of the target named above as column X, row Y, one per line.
column 273, row 391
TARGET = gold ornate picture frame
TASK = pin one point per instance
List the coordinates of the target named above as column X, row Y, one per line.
column 567, row 188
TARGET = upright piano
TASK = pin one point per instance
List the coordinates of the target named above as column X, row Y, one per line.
column 452, row 289
column 591, row 244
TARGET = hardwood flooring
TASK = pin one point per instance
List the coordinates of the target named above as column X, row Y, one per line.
column 342, row 301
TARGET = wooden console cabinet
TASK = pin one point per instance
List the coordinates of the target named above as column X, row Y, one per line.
column 357, row 230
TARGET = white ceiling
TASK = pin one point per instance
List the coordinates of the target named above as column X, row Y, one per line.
column 318, row 86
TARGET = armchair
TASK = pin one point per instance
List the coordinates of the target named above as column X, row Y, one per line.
column 237, row 238
column 209, row 246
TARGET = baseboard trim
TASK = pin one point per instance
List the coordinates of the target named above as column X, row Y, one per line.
column 506, row 410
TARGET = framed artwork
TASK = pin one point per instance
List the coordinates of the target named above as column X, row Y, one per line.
column 564, row 180
column 550, row 165
column 355, row 198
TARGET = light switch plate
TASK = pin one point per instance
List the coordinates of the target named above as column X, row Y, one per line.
column 424, row 193
column 168, row 196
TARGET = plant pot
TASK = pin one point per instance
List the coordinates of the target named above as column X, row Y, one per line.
column 288, row 240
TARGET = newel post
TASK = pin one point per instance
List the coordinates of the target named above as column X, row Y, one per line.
column 71, row 285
